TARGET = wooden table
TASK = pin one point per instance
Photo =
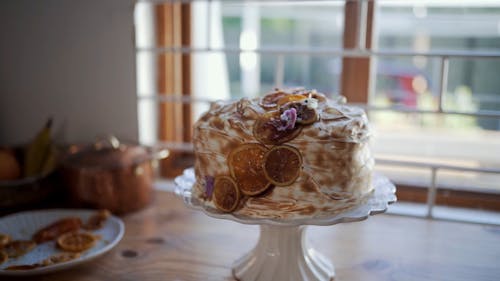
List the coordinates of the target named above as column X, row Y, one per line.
column 167, row 241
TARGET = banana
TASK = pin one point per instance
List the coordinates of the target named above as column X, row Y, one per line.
column 38, row 151
column 50, row 161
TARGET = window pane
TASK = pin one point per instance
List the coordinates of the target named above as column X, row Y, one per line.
column 438, row 25
column 278, row 24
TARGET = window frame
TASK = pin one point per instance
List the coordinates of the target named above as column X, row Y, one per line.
column 357, row 56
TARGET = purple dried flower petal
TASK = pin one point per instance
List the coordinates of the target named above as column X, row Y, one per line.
column 209, row 186
column 288, row 119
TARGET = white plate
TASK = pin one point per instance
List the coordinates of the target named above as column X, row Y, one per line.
column 21, row 226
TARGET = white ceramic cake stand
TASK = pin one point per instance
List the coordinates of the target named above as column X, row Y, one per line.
column 283, row 252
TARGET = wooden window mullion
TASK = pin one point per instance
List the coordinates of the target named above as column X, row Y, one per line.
column 174, row 80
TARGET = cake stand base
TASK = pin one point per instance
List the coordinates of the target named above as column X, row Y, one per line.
column 283, row 253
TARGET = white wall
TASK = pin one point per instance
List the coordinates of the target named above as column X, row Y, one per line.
column 73, row 60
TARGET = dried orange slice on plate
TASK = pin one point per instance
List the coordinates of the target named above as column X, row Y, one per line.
column 76, row 241
column 282, row 165
column 267, row 129
column 4, row 239
column 59, row 258
column 57, row 228
column 18, row 248
column 97, row 220
column 245, row 164
column 3, row 257
column 226, row 195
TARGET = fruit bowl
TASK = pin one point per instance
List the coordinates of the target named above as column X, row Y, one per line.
column 26, row 191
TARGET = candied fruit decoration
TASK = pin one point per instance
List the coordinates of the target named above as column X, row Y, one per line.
column 306, row 114
column 245, row 164
column 290, row 98
column 76, row 241
column 282, row 165
column 315, row 95
column 209, row 186
column 271, row 100
column 18, row 248
column 269, row 129
column 226, row 194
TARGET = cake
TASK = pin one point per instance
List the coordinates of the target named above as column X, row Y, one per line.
column 289, row 154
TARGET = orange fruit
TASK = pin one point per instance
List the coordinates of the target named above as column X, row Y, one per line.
column 282, row 165
column 265, row 129
column 245, row 164
column 76, row 241
column 18, row 248
column 9, row 166
column 226, row 195
column 4, row 240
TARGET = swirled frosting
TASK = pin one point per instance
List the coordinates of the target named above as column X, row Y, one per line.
column 336, row 159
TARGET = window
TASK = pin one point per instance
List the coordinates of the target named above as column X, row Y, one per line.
column 424, row 70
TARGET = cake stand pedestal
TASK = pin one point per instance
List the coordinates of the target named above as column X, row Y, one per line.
column 283, row 252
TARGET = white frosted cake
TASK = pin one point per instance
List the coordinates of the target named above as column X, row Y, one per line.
column 292, row 153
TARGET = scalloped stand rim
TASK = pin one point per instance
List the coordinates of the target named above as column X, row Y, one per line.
column 282, row 252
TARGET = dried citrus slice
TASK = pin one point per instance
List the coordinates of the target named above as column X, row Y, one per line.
column 267, row 129
column 59, row 258
column 3, row 257
column 18, row 248
column 245, row 164
column 4, row 239
column 226, row 195
column 76, row 241
column 282, row 165
column 57, row 228
column 97, row 220
column 271, row 100
column 290, row 98
column 314, row 94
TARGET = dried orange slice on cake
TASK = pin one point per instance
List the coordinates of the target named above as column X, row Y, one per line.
column 245, row 164
column 268, row 129
column 226, row 195
column 271, row 100
column 76, row 241
column 290, row 98
column 282, row 165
